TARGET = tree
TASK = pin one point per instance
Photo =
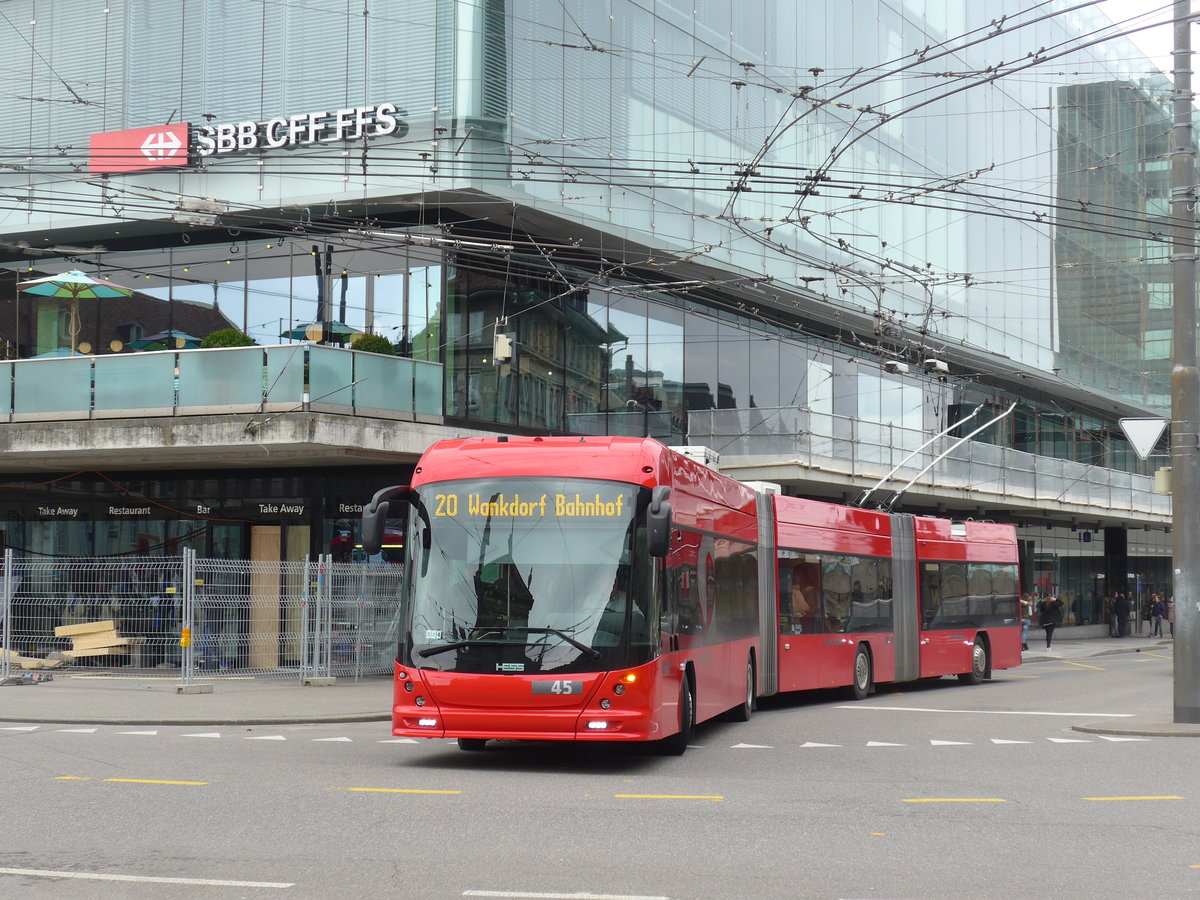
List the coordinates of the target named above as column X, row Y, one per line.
column 228, row 337
column 373, row 343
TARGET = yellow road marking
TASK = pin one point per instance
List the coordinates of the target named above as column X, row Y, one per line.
column 878, row 834
column 71, row 778
column 1067, row 662
column 1157, row 655
column 1167, row 797
column 716, row 797
column 155, row 781
column 954, row 800
column 369, row 790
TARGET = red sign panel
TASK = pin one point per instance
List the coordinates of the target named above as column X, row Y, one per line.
column 139, row 149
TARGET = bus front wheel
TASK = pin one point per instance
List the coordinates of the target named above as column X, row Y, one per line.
column 676, row 744
column 979, row 664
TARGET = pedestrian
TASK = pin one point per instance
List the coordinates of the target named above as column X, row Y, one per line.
column 1026, row 619
column 1121, row 608
column 1110, row 614
column 1171, row 614
column 1158, row 609
column 1050, row 614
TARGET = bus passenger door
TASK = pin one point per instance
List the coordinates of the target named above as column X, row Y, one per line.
column 799, row 623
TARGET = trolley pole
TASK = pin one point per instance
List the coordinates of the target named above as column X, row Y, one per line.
column 1185, row 383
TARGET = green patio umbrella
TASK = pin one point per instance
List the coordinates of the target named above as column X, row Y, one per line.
column 74, row 286
column 322, row 331
column 171, row 339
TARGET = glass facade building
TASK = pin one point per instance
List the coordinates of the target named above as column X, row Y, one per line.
column 800, row 213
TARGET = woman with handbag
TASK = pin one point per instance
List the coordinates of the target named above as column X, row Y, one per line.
column 1050, row 614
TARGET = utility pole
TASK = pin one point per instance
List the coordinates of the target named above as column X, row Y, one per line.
column 1185, row 383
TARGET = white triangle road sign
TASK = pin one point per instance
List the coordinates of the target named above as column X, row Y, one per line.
column 1143, row 434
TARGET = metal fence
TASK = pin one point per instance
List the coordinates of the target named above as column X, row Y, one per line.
column 198, row 618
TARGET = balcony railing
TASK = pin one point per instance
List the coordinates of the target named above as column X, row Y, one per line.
column 866, row 451
column 289, row 377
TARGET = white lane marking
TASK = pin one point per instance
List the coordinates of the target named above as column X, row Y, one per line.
column 949, row 743
column 884, row 744
column 208, row 734
column 151, row 879
column 399, row 741
column 345, row 739
column 815, row 744
column 137, row 732
column 993, row 712
column 1068, row 740
column 75, row 730
column 538, row 895
column 19, row 728
column 751, row 747
column 267, row 737
column 1114, row 738
column 1002, row 741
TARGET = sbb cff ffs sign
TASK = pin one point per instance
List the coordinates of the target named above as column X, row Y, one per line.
column 137, row 149
column 164, row 146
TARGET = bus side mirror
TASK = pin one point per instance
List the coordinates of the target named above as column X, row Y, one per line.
column 375, row 516
column 658, row 522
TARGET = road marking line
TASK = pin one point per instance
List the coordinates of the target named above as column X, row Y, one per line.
column 373, row 790
column 1002, row 741
column 954, row 800
column 344, row 739
column 884, row 744
column 751, row 747
column 1158, row 655
column 72, row 778
column 991, row 712
column 75, row 730
column 815, row 744
column 268, row 737
column 538, row 895
column 1115, row 739
column 950, row 743
column 19, row 728
column 1098, row 799
column 155, row 781
column 1067, row 662
column 137, row 732
column 398, row 741
column 151, row 879
column 207, row 734
column 1068, row 741
column 715, row 797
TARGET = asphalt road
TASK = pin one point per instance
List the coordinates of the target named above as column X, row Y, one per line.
column 937, row 791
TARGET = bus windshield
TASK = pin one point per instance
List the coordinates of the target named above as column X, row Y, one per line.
column 512, row 576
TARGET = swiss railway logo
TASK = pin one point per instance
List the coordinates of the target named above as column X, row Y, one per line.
column 161, row 145
column 138, row 149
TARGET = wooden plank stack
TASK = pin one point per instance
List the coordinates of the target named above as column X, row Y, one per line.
column 28, row 662
column 92, row 639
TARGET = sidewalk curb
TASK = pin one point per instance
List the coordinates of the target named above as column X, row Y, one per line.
column 1164, row 729
column 206, row 720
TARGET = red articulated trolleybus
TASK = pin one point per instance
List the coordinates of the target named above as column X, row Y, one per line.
column 613, row 589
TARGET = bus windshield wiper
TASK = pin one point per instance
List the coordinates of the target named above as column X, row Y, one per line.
column 483, row 641
column 590, row 651
column 469, row 642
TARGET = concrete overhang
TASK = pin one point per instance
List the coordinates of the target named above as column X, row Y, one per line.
column 210, row 443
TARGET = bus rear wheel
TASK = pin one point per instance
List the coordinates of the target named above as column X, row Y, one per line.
column 676, row 744
column 862, row 679
column 979, row 664
column 472, row 744
column 741, row 712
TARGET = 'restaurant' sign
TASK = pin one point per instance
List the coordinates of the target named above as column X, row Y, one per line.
column 182, row 144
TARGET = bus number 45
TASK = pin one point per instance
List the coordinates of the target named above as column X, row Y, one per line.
column 558, row 687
